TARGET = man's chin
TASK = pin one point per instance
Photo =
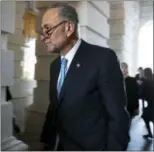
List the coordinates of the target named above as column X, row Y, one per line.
column 49, row 50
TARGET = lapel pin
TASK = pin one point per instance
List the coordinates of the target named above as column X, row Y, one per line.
column 78, row 65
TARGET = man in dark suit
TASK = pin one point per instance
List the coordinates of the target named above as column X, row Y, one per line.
column 131, row 90
column 140, row 74
column 87, row 109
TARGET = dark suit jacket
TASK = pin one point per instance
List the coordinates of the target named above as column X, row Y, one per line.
column 90, row 113
column 132, row 95
column 148, row 95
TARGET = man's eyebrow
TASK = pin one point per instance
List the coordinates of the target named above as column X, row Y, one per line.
column 45, row 26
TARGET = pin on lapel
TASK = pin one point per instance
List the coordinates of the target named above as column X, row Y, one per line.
column 78, row 65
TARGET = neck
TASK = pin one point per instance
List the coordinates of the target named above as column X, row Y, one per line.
column 69, row 46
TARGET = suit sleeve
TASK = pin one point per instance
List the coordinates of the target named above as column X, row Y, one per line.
column 111, row 86
column 48, row 135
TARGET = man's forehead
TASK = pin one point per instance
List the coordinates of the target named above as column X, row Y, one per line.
column 50, row 16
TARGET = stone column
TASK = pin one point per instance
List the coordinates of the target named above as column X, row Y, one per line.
column 8, row 141
column 93, row 16
column 89, row 13
column 124, row 23
column 146, row 12
column 132, row 19
column 117, row 24
column 146, row 18
column 37, row 111
column 22, row 90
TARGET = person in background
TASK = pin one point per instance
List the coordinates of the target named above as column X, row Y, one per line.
column 148, row 75
column 87, row 109
column 140, row 74
column 147, row 94
column 139, row 79
column 131, row 90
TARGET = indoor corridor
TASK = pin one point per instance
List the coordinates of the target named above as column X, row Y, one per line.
column 123, row 26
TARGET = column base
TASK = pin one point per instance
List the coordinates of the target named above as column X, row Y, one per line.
column 34, row 124
column 12, row 144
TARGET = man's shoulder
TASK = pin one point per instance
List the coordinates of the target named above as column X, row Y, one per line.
column 100, row 50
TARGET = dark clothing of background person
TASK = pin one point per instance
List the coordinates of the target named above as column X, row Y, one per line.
column 132, row 95
column 137, row 76
column 9, row 97
column 90, row 113
column 148, row 95
column 8, row 94
column 139, row 81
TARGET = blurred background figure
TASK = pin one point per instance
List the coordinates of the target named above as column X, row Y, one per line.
column 148, row 75
column 139, row 79
column 140, row 74
column 9, row 98
column 147, row 94
column 131, row 91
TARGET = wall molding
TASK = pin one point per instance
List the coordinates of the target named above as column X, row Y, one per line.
column 94, row 31
column 98, row 9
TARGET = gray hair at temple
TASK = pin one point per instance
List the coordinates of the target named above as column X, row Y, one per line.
column 67, row 13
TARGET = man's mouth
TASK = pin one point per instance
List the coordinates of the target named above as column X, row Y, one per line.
column 47, row 43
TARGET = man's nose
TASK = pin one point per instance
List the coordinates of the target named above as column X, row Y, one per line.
column 42, row 37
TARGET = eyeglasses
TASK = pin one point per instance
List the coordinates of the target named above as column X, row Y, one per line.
column 49, row 31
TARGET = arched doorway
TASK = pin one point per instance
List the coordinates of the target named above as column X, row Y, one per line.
column 145, row 48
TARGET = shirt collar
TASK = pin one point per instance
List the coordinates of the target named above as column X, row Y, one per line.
column 70, row 55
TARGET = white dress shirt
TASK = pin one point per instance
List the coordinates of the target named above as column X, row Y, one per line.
column 70, row 55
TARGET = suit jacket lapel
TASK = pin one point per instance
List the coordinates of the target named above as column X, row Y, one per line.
column 71, row 72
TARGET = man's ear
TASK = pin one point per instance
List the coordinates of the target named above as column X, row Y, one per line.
column 70, row 29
